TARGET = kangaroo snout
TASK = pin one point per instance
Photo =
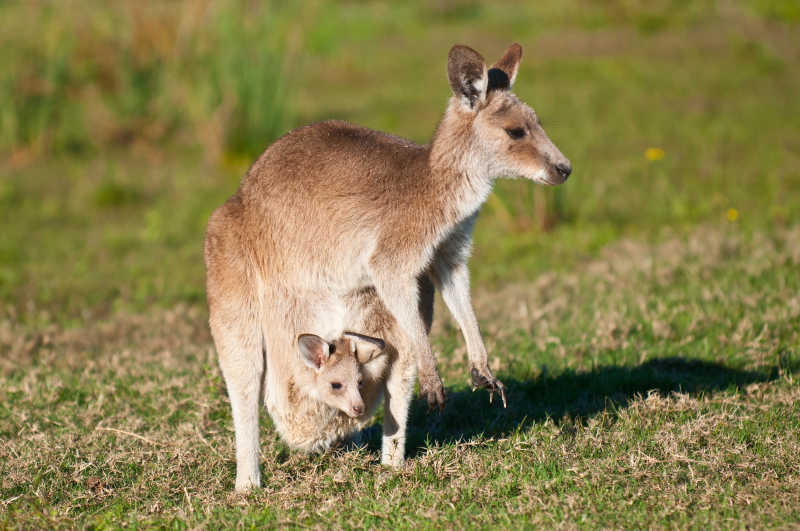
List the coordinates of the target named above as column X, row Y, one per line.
column 564, row 169
column 356, row 410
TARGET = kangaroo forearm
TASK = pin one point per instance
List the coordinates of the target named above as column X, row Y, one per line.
column 453, row 282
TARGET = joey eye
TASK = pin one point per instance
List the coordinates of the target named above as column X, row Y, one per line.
column 515, row 132
column 332, row 348
column 336, row 385
column 360, row 384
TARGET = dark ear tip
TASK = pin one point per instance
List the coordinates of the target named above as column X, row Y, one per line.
column 498, row 80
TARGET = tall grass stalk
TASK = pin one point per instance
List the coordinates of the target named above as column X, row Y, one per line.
column 96, row 75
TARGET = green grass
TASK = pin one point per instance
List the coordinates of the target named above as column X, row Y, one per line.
column 639, row 395
column 150, row 73
column 645, row 316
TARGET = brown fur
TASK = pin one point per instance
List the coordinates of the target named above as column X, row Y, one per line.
column 333, row 208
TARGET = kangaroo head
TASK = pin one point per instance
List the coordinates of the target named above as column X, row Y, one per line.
column 337, row 368
column 497, row 133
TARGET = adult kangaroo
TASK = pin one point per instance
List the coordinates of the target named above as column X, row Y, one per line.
column 332, row 208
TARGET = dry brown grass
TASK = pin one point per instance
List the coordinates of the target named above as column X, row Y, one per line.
column 126, row 421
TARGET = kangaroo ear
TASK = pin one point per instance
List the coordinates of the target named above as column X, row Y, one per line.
column 466, row 71
column 314, row 351
column 504, row 72
column 366, row 348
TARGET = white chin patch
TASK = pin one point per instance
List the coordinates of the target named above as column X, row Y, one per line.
column 540, row 176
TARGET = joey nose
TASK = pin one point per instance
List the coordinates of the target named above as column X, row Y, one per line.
column 564, row 170
column 358, row 410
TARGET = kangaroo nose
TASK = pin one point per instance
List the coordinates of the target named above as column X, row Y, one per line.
column 358, row 410
column 564, row 170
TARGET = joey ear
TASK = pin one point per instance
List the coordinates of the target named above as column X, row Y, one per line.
column 504, row 71
column 466, row 71
column 367, row 348
column 314, row 351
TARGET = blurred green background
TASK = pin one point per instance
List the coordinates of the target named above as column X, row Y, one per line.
column 123, row 124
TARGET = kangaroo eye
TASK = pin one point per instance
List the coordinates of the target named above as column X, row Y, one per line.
column 333, row 348
column 360, row 384
column 336, row 385
column 516, row 133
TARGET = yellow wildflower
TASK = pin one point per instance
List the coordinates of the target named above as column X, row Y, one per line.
column 654, row 153
column 733, row 214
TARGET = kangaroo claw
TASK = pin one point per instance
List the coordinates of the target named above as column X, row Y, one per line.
column 488, row 382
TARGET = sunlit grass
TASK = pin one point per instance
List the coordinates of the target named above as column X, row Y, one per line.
column 660, row 374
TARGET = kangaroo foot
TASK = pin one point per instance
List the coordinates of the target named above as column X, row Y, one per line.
column 485, row 379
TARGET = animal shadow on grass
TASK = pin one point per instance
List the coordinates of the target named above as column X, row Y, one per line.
column 568, row 397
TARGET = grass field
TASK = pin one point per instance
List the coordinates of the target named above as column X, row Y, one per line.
column 645, row 317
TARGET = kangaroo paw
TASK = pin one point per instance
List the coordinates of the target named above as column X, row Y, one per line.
column 486, row 380
column 432, row 389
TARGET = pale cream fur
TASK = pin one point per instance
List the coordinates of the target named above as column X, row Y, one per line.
column 310, row 423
